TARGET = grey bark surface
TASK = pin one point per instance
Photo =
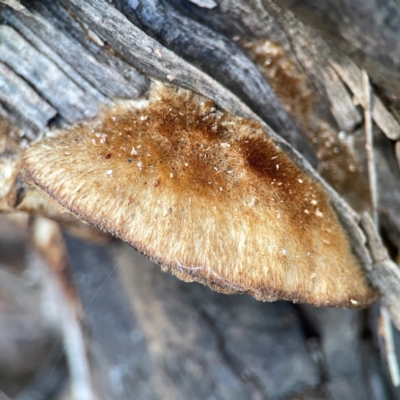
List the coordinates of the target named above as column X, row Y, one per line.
column 21, row 100
column 179, row 342
column 27, row 62
column 368, row 33
column 161, row 338
column 155, row 337
column 176, row 340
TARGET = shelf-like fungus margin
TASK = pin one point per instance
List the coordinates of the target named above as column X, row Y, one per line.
column 206, row 195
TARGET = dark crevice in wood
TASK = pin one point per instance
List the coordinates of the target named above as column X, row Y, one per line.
column 56, row 122
column 357, row 127
column 230, row 361
column 389, row 233
column 16, row 120
column 365, row 331
column 313, row 339
column 20, row 190
column 310, row 330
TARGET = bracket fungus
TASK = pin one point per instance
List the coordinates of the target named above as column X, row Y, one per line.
column 205, row 194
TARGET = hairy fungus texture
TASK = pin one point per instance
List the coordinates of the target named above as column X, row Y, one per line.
column 338, row 164
column 206, row 195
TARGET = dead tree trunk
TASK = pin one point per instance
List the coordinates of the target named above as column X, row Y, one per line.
column 149, row 335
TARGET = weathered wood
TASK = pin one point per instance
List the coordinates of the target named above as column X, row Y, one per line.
column 71, row 102
column 367, row 31
column 385, row 272
column 189, row 342
column 351, row 75
column 339, row 331
column 65, row 21
column 29, row 346
column 99, row 55
column 174, row 340
column 102, row 77
column 52, row 55
column 18, row 97
column 219, row 57
column 252, row 20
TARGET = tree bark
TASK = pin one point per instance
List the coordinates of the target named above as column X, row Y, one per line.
column 154, row 337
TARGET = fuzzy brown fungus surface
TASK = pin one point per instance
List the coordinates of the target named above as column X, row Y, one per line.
column 205, row 194
column 337, row 161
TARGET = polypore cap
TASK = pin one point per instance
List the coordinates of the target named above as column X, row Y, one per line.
column 205, row 194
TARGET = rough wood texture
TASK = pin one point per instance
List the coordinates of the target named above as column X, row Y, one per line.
column 190, row 342
column 21, row 100
column 369, row 33
column 27, row 62
column 99, row 55
column 217, row 56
